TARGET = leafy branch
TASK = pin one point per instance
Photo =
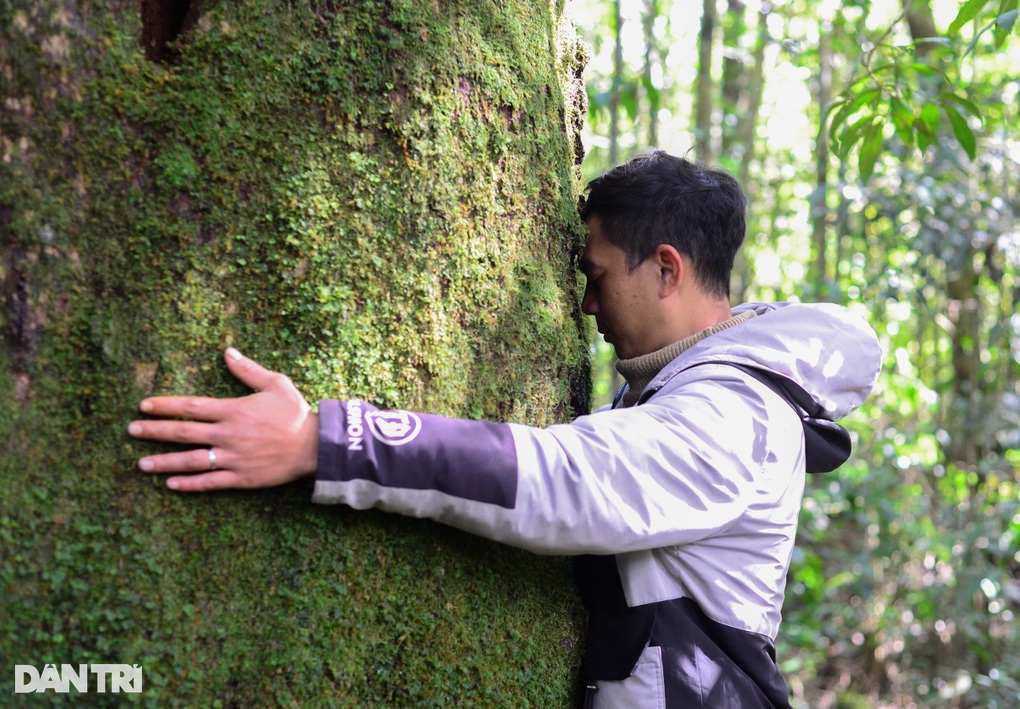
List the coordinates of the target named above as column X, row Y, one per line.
column 912, row 95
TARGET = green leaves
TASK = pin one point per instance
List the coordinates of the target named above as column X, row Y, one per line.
column 926, row 126
column 1005, row 22
column 1002, row 25
column 964, row 135
column 871, row 147
column 914, row 96
column 859, row 121
column 968, row 12
column 903, row 120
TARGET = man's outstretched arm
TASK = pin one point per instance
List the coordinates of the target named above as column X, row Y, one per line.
column 624, row 480
column 265, row 439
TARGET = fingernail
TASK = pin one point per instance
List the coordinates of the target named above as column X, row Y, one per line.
column 135, row 429
column 145, row 465
column 145, row 406
column 233, row 354
column 172, row 484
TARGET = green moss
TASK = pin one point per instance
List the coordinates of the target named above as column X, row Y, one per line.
column 377, row 199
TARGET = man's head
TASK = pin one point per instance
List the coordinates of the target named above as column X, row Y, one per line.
column 662, row 236
column 661, row 199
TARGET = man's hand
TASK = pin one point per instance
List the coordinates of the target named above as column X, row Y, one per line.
column 268, row 438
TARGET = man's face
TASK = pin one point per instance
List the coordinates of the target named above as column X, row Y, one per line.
column 625, row 303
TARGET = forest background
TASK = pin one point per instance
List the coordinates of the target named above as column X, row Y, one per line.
column 879, row 143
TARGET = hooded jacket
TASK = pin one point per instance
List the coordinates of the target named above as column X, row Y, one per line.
column 691, row 497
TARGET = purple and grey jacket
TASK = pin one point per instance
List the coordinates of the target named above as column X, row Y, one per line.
column 684, row 506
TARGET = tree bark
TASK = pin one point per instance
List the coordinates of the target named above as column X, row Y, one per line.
column 734, row 81
column 652, row 57
column 967, row 411
column 617, row 88
column 820, row 197
column 377, row 199
column 704, row 104
column 921, row 21
column 746, row 130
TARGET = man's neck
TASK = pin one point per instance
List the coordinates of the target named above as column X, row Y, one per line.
column 696, row 315
column 639, row 371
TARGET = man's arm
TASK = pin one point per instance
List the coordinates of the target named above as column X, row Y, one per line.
column 265, row 439
column 668, row 472
column 673, row 471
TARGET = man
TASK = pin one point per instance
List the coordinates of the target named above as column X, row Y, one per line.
column 680, row 501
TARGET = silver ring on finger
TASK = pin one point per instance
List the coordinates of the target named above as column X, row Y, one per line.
column 212, row 459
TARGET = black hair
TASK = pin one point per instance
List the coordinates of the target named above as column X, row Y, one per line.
column 661, row 199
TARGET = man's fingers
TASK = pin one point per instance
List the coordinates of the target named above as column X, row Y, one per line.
column 195, row 461
column 206, row 482
column 261, row 440
column 174, row 431
column 249, row 371
column 196, row 408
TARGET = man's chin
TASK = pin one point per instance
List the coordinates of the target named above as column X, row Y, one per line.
column 621, row 351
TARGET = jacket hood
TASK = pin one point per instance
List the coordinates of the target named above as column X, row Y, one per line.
column 830, row 351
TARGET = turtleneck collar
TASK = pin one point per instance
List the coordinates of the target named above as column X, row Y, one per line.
column 640, row 370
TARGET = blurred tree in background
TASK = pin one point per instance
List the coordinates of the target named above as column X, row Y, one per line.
column 879, row 143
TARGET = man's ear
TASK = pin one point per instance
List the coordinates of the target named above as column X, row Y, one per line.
column 672, row 269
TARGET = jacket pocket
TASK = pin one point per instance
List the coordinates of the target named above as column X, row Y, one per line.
column 644, row 689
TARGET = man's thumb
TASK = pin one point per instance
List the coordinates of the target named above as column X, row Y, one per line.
column 248, row 371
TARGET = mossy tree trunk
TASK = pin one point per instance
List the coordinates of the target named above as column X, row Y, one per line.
column 376, row 198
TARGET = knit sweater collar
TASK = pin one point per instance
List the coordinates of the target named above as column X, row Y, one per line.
column 639, row 371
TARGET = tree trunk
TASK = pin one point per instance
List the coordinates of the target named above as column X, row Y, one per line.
column 820, row 196
column 967, row 412
column 377, row 199
column 617, row 88
column 746, row 129
column 734, row 81
column 703, row 102
column 921, row 22
column 652, row 58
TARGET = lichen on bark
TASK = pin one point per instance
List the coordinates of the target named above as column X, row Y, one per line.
column 376, row 198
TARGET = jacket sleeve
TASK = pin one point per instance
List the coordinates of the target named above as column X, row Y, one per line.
column 672, row 471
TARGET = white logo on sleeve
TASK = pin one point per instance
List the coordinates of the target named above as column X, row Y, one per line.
column 394, row 428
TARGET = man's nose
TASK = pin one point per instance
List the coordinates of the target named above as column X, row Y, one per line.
column 589, row 304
